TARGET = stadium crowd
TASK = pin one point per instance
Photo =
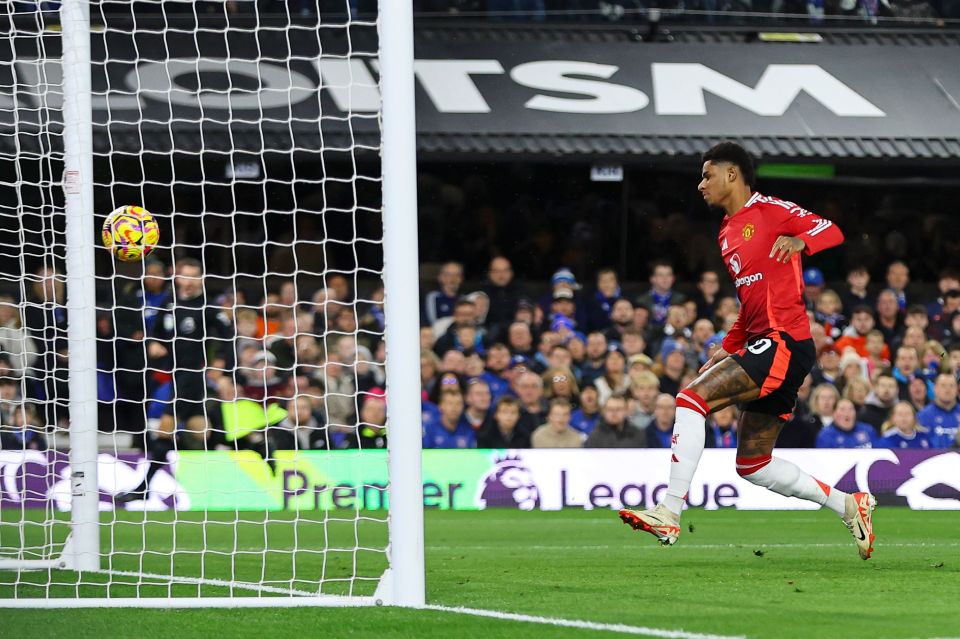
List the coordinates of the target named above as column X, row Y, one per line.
column 633, row 11
column 501, row 367
column 597, row 365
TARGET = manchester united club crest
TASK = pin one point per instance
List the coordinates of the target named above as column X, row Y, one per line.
column 748, row 231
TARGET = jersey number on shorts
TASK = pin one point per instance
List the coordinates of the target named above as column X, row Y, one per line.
column 760, row 346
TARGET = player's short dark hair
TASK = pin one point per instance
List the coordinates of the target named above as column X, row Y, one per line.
column 734, row 154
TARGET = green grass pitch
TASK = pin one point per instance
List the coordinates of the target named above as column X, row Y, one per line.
column 753, row 574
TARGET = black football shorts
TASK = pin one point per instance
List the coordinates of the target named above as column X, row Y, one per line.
column 778, row 364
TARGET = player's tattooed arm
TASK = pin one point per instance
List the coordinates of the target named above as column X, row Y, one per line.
column 725, row 383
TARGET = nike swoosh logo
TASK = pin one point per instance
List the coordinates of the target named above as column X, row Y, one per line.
column 862, row 535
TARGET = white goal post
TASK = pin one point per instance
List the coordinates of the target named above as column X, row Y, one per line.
column 288, row 214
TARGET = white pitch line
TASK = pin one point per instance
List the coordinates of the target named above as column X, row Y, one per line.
column 745, row 546
column 199, row 581
column 583, row 625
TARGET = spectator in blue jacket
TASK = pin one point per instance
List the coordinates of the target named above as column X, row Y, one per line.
column 903, row 431
column 906, row 368
column 464, row 317
column 439, row 303
column 585, row 418
column 571, row 304
column 846, row 431
column 498, row 361
column 942, row 417
column 661, row 294
column 722, row 428
column 600, row 303
column 448, row 431
column 596, row 353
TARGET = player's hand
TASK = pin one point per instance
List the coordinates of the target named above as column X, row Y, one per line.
column 718, row 355
column 786, row 247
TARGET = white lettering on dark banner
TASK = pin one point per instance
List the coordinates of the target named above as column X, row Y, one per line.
column 566, row 86
column 679, row 90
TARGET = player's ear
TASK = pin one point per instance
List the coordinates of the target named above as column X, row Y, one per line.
column 732, row 172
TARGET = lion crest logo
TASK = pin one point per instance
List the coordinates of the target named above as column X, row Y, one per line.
column 509, row 484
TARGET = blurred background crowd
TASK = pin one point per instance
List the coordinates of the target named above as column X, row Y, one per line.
column 596, row 366
column 504, row 363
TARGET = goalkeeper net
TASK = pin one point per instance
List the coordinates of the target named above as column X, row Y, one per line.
column 208, row 424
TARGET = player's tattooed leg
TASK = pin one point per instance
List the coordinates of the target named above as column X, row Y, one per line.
column 757, row 434
column 723, row 384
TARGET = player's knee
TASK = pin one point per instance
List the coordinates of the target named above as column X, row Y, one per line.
column 747, row 467
column 689, row 398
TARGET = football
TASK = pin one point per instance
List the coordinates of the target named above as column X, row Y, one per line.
column 130, row 233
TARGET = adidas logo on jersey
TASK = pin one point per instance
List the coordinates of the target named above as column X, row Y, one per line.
column 747, row 280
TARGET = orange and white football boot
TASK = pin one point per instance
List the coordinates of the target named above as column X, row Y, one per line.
column 660, row 522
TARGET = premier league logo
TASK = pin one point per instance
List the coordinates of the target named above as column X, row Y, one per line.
column 934, row 484
column 509, row 484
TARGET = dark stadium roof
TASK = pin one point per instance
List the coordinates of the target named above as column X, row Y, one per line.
column 664, row 146
column 445, row 31
column 545, row 145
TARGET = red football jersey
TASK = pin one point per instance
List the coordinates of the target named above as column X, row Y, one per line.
column 770, row 292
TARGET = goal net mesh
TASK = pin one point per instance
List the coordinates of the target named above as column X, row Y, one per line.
column 239, row 366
